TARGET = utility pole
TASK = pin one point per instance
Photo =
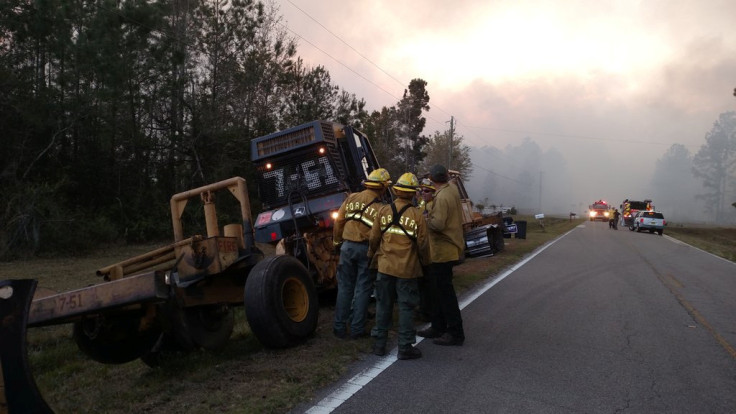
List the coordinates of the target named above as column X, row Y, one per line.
column 452, row 133
column 540, row 192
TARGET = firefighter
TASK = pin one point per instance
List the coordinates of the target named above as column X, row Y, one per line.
column 425, row 193
column 400, row 247
column 447, row 245
column 616, row 217
column 350, row 236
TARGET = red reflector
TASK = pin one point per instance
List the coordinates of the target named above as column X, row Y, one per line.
column 264, row 218
column 273, row 236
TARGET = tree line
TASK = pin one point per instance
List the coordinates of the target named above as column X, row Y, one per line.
column 701, row 186
column 108, row 107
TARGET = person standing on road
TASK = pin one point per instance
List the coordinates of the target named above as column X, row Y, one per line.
column 616, row 217
column 350, row 236
column 400, row 247
column 447, row 245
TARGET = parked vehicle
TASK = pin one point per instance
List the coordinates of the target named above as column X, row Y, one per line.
column 648, row 220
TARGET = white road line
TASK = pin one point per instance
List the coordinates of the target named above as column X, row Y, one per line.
column 354, row 384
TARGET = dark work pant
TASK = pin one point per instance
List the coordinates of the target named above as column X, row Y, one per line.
column 445, row 309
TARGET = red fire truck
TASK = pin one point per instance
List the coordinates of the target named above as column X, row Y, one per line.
column 598, row 211
column 630, row 207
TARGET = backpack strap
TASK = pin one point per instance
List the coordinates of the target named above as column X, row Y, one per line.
column 396, row 221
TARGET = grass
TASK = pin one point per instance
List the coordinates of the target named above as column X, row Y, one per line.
column 243, row 377
column 720, row 241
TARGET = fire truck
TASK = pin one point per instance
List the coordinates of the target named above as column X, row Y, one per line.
column 629, row 208
column 599, row 210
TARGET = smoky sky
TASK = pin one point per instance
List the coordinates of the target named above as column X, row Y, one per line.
column 610, row 87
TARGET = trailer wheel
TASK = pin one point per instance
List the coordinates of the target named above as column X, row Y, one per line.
column 280, row 301
column 113, row 339
column 210, row 326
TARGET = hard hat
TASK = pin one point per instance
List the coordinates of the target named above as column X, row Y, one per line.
column 407, row 183
column 426, row 184
column 378, row 178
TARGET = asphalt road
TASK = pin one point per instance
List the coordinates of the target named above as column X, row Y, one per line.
column 600, row 321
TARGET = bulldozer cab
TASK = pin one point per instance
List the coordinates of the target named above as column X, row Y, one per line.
column 305, row 173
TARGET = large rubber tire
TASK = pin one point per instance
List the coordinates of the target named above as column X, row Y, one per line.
column 210, row 326
column 114, row 339
column 281, row 302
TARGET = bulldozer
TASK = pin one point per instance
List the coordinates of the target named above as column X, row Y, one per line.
column 483, row 234
column 304, row 175
column 180, row 297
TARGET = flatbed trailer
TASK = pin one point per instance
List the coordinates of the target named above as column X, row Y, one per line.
column 173, row 299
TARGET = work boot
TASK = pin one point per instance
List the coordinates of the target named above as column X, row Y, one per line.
column 409, row 352
column 429, row 333
column 448, row 339
column 379, row 350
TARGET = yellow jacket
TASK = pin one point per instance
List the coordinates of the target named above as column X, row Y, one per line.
column 445, row 222
column 355, row 217
column 398, row 253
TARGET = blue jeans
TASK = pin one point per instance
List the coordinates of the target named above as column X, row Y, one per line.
column 405, row 292
column 354, row 288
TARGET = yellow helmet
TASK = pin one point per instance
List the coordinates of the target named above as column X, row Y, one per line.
column 407, row 183
column 426, row 184
column 378, row 178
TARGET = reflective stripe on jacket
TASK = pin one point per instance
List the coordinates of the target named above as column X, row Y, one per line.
column 355, row 217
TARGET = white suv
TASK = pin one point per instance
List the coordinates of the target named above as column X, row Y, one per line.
column 648, row 220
